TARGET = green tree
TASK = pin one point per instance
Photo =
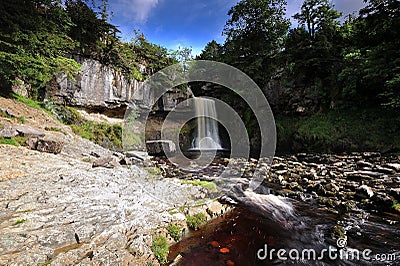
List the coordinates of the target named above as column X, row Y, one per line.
column 372, row 71
column 255, row 33
column 212, row 51
column 316, row 15
column 34, row 42
column 314, row 51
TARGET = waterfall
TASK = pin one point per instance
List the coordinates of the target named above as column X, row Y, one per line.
column 206, row 136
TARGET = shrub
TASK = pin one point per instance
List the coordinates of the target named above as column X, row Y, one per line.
column 102, row 134
column 174, row 231
column 160, row 248
column 195, row 221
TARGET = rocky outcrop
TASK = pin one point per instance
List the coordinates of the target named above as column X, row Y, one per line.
column 287, row 98
column 159, row 147
column 44, row 145
column 57, row 209
column 101, row 87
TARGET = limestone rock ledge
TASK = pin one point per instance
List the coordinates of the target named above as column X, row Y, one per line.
column 101, row 87
column 58, row 210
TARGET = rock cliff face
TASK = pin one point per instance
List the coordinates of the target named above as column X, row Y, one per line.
column 101, row 88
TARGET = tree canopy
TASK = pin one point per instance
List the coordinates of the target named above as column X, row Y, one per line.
column 39, row 38
column 353, row 63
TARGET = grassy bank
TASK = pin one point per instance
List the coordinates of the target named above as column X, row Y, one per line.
column 339, row 131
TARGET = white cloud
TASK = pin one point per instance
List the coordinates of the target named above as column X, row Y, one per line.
column 136, row 10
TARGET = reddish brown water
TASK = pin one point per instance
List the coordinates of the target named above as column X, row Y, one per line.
column 235, row 238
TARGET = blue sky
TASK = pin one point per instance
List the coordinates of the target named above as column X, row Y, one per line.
column 187, row 23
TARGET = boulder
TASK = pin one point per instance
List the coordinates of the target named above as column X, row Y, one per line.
column 364, row 164
column 364, row 192
column 27, row 131
column 107, row 162
column 157, row 147
column 395, row 193
column 385, row 170
column 8, row 113
column 8, row 132
column 394, row 166
column 140, row 155
column 42, row 145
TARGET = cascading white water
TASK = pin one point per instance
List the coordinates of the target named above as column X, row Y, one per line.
column 207, row 136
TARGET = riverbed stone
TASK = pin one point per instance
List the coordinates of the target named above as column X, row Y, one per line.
column 394, row 166
column 364, row 191
column 157, row 147
column 107, row 162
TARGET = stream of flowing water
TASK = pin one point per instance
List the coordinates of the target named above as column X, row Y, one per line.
column 260, row 225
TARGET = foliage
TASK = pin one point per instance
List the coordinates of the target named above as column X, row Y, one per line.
column 64, row 114
column 88, row 30
column 315, row 15
column 254, row 34
column 343, row 65
column 195, row 221
column 9, row 141
column 153, row 57
column 14, row 141
column 338, row 131
column 313, row 51
column 160, row 248
column 55, row 129
column 396, row 206
column 174, row 231
column 102, row 134
column 183, row 55
column 34, row 42
column 372, row 71
column 22, row 141
column 212, row 51
column 39, row 37
column 21, row 119
column 28, row 102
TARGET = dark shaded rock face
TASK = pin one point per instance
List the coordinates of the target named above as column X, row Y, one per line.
column 289, row 99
